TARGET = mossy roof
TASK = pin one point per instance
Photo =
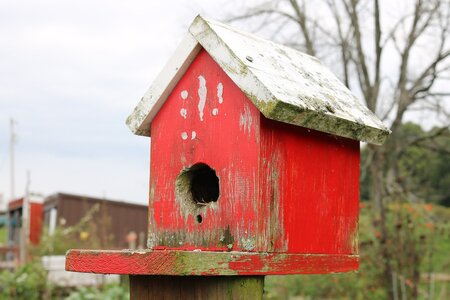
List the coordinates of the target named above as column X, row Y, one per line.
column 286, row 85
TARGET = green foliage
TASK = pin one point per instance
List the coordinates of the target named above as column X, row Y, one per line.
column 107, row 292
column 2, row 235
column 423, row 166
column 27, row 283
column 30, row 280
column 86, row 234
column 62, row 240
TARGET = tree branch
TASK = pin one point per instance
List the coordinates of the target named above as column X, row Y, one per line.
column 427, row 137
column 362, row 64
column 301, row 20
column 343, row 41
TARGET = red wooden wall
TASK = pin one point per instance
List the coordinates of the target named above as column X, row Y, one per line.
column 222, row 134
column 312, row 180
column 35, row 222
column 282, row 188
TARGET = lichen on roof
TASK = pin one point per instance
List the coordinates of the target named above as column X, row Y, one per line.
column 286, row 85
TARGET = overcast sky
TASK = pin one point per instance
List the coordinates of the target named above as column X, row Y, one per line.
column 70, row 73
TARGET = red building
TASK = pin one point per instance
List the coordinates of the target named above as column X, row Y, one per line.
column 34, row 220
column 62, row 209
column 117, row 220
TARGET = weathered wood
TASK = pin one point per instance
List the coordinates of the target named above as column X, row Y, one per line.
column 196, row 287
column 176, row 262
column 283, row 188
column 284, row 84
column 206, row 119
column 312, row 179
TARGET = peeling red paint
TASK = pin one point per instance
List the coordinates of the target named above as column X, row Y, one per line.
column 283, row 188
column 317, row 187
column 221, row 142
column 206, row 263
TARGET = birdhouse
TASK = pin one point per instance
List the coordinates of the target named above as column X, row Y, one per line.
column 254, row 160
column 254, row 147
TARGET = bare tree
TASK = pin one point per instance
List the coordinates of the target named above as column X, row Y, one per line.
column 395, row 54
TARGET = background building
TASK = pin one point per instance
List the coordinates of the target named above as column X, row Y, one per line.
column 112, row 224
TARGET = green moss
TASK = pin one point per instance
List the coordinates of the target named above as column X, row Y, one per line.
column 321, row 120
column 227, row 239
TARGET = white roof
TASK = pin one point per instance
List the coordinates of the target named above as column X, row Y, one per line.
column 284, row 84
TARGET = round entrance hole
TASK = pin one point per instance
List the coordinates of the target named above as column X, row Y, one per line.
column 204, row 184
column 195, row 188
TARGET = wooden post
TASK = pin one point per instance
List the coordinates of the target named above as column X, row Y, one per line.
column 196, row 287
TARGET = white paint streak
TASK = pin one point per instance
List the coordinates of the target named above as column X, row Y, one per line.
column 183, row 112
column 194, row 135
column 215, row 111
column 245, row 120
column 184, row 94
column 220, row 92
column 202, row 91
column 184, row 135
column 248, row 244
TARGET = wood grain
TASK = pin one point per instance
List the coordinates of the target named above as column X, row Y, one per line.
column 206, row 263
column 196, row 287
column 283, row 188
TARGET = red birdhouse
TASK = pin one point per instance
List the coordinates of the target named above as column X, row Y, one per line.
column 254, row 160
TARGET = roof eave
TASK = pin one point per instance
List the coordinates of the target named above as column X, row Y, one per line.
column 328, row 123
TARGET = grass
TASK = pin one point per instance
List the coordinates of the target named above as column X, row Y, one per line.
column 2, row 235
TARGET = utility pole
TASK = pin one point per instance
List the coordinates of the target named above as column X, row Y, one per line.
column 11, row 151
column 25, row 222
column 12, row 141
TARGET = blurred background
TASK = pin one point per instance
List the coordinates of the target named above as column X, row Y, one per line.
column 72, row 71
